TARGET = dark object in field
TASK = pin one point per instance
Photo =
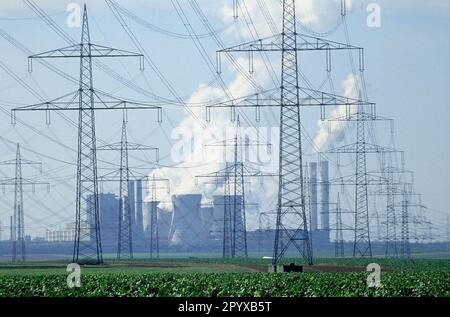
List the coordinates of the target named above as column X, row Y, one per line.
column 286, row 268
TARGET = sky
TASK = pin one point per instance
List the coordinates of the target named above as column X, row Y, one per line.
column 406, row 73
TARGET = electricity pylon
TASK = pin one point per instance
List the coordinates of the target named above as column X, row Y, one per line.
column 125, row 234
column 448, row 227
column 87, row 245
column 292, row 222
column 339, row 238
column 233, row 176
column 339, row 226
column 17, row 223
column 154, row 228
column 405, row 247
column 391, row 217
column 405, row 205
column 396, row 180
column 371, row 178
column 362, row 246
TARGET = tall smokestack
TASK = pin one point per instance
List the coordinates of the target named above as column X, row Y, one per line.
column 325, row 196
column 131, row 199
column 139, row 210
column 313, row 191
column 11, row 228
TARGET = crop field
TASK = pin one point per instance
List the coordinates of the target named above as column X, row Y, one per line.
column 230, row 284
column 217, row 278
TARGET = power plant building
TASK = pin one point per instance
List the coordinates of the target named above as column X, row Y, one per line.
column 109, row 219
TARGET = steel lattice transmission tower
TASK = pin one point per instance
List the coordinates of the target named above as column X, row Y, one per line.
column 239, row 224
column 154, row 228
column 391, row 218
column 339, row 238
column 291, row 199
column 233, row 177
column 125, row 239
column 392, row 189
column 362, row 178
column 405, row 205
column 18, row 223
column 87, row 244
column 396, row 180
column 362, row 244
column 19, row 228
column 405, row 247
column 125, row 232
column 154, row 234
column 291, row 223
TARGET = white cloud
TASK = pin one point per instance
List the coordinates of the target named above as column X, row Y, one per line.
column 333, row 131
column 201, row 160
column 318, row 15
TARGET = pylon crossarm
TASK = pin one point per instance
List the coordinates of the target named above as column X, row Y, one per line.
column 104, row 51
column 251, row 171
column 113, row 177
column 76, row 51
column 384, row 191
column 108, row 175
column 395, row 170
column 111, row 102
column 350, row 180
column 218, row 173
column 248, row 172
column 25, row 181
column 361, row 116
column 271, row 98
column 60, row 103
column 274, row 43
column 22, row 161
column 68, row 51
column 101, row 101
column 353, row 148
column 130, row 147
column 307, row 97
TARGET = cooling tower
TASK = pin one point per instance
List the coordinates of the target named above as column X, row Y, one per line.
column 164, row 220
column 146, row 217
column 207, row 214
column 217, row 219
column 186, row 228
column 313, row 192
column 325, row 196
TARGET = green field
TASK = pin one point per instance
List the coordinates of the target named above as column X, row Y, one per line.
column 215, row 277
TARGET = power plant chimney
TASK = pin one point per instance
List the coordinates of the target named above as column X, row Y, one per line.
column 131, row 200
column 325, row 196
column 139, row 211
column 11, row 229
column 313, row 194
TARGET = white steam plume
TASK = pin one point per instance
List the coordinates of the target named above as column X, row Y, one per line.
column 334, row 131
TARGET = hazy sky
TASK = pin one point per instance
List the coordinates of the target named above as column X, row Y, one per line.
column 407, row 72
